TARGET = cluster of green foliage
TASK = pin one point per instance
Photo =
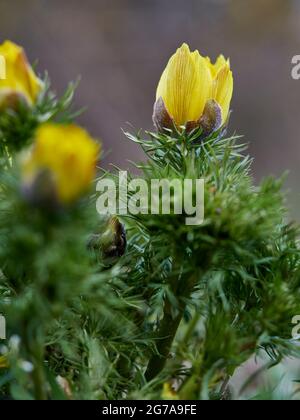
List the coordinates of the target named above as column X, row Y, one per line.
column 182, row 308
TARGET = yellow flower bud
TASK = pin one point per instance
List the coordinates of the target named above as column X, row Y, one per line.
column 193, row 92
column 62, row 160
column 18, row 81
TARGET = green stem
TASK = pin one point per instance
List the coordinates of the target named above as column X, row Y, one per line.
column 190, row 330
column 166, row 335
column 167, row 330
column 35, row 347
column 38, row 380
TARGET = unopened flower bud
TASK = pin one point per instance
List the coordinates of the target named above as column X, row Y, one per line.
column 18, row 83
column 193, row 93
column 111, row 242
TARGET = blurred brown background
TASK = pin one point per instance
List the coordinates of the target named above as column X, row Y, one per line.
column 120, row 47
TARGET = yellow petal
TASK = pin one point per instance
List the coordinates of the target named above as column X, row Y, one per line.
column 20, row 77
column 185, row 85
column 214, row 68
column 223, row 90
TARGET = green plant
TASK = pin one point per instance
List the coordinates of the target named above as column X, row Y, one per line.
column 180, row 310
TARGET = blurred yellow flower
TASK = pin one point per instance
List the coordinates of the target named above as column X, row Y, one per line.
column 168, row 393
column 20, row 81
column 191, row 88
column 67, row 155
column 3, row 362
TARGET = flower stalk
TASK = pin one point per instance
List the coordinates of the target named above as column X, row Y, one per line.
column 169, row 326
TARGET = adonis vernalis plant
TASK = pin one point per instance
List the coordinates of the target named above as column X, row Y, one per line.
column 139, row 306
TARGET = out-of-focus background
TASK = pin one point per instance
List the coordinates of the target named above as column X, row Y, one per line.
column 120, row 47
